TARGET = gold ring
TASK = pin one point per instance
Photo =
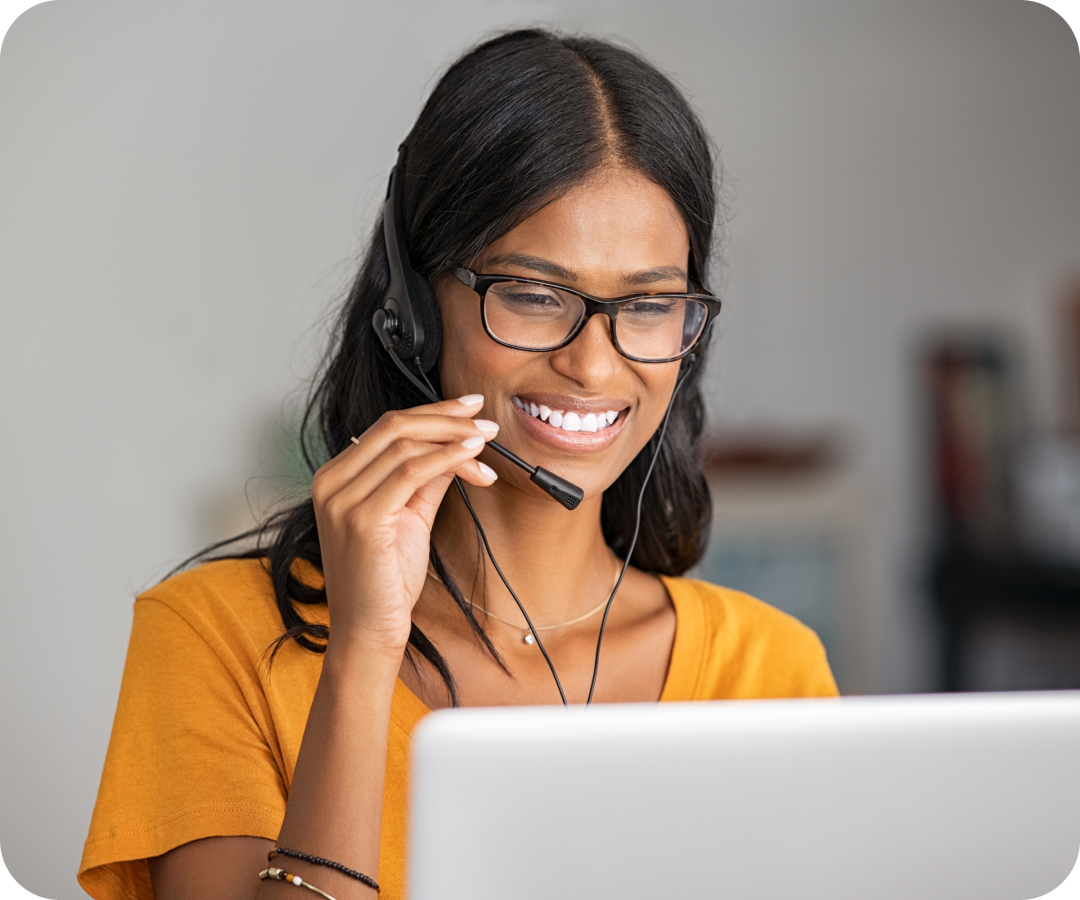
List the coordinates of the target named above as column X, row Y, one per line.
column 355, row 441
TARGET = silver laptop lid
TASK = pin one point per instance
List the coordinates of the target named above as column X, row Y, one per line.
column 962, row 796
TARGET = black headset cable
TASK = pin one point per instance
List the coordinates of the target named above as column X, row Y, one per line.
column 494, row 562
column 637, row 525
column 626, row 561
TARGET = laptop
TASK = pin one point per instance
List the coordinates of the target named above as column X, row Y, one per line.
column 949, row 796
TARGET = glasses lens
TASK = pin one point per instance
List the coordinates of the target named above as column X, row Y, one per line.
column 531, row 316
column 654, row 328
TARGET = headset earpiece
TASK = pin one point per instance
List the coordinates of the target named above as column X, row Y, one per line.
column 407, row 322
column 431, row 321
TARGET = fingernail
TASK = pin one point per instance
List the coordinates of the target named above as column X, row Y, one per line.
column 471, row 443
column 471, row 400
column 487, row 470
column 486, row 426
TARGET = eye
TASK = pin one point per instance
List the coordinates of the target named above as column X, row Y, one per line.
column 531, row 300
column 651, row 308
column 526, row 298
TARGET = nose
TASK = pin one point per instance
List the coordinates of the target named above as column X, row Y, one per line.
column 590, row 359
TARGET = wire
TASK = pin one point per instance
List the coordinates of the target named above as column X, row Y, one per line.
column 494, row 562
column 491, row 556
column 626, row 561
column 637, row 527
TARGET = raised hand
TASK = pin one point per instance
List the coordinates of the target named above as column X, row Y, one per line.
column 375, row 504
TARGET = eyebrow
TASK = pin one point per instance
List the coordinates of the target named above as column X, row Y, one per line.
column 661, row 273
column 534, row 264
column 553, row 270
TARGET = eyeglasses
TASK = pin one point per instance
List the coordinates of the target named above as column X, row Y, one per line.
column 534, row 315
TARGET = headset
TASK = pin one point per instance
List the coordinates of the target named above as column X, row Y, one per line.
column 407, row 324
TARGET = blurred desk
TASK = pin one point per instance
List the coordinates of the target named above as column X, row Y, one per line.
column 1036, row 601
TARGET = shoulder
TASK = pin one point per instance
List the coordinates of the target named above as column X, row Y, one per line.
column 241, row 579
column 727, row 613
column 228, row 599
column 730, row 644
column 217, row 590
column 201, row 744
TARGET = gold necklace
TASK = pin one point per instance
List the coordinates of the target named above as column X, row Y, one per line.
column 528, row 635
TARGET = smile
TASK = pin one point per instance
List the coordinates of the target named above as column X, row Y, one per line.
column 568, row 421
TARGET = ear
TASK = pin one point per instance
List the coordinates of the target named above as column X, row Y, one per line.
column 430, row 319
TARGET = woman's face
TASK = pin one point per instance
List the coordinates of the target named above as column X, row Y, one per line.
column 616, row 234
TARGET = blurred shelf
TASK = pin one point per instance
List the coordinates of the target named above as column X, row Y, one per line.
column 969, row 590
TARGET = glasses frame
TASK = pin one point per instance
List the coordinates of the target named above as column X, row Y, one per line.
column 593, row 305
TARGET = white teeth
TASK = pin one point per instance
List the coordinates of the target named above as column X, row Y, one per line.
column 567, row 421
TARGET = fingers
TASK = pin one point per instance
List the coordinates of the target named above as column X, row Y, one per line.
column 397, row 489
column 439, row 438
column 400, row 452
column 410, row 462
column 428, row 498
column 443, row 423
column 478, row 473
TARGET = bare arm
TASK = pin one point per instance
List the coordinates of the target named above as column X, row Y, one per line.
column 213, row 867
column 374, row 504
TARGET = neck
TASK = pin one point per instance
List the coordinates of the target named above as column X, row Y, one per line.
column 556, row 560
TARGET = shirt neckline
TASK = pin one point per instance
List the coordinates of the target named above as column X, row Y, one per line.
column 679, row 684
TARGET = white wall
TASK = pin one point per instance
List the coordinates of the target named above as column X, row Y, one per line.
column 183, row 186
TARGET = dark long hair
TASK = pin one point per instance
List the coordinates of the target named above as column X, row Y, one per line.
column 513, row 124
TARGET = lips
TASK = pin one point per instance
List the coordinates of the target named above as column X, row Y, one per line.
column 568, row 420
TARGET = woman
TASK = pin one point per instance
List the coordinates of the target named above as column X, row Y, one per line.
column 543, row 170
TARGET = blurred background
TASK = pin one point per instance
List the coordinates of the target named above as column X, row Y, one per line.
column 894, row 391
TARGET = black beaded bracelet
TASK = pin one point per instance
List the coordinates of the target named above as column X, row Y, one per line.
column 329, row 863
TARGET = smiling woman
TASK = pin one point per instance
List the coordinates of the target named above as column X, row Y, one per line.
column 558, row 207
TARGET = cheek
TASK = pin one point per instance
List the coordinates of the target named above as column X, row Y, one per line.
column 469, row 358
column 656, row 384
column 451, row 357
column 659, row 381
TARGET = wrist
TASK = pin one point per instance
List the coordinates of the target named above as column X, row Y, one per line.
column 373, row 654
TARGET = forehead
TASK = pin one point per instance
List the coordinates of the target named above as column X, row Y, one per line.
column 615, row 224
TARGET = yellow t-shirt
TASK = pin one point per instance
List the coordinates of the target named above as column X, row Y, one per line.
column 206, row 736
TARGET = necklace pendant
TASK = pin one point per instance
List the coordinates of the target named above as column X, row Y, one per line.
column 529, row 639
